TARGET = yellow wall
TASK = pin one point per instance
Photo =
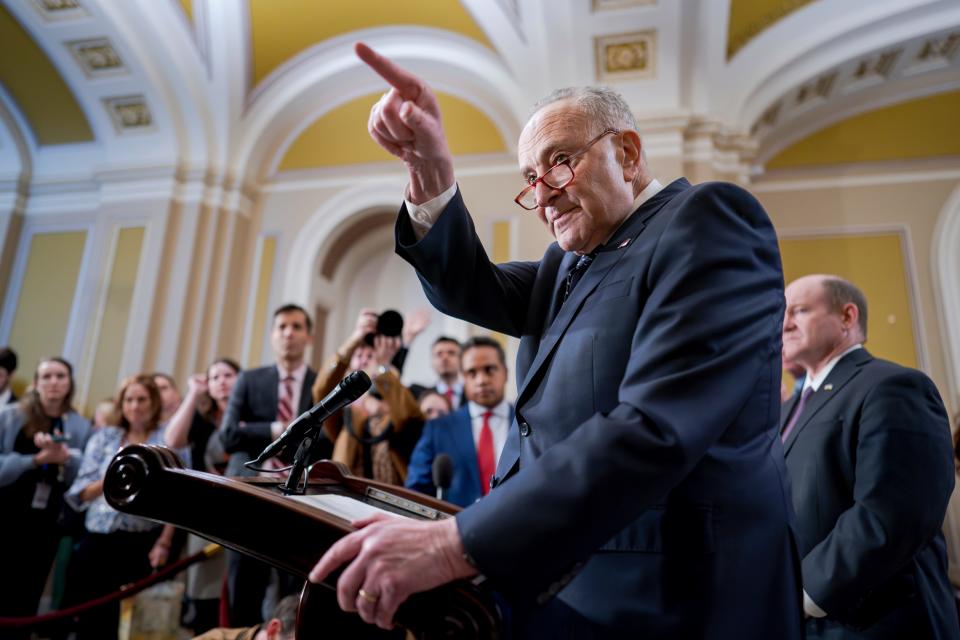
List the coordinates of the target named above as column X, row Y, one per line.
column 748, row 18
column 283, row 28
column 340, row 136
column 105, row 372
column 37, row 88
column 46, row 296
column 875, row 264
column 923, row 128
column 268, row 252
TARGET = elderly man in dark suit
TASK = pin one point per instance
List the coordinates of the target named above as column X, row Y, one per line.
column 871, row 464
column 642, row 491
column 263, row 402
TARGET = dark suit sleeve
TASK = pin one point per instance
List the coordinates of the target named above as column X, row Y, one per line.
column 250, row 437
column 466, row 285
column 707, row 337
column 420, row 469
column 904, row 478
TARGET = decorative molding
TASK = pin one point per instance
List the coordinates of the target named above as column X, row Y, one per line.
column 830, row 179
column 626, row 56
column 129, row 113
column 614, row 5
column 60, row 9
column 945, row 266
column 97, row 57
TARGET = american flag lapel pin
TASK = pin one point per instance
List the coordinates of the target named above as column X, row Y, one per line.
column 828, row 387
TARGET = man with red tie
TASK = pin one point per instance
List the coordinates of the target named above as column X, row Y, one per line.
column 474, row 435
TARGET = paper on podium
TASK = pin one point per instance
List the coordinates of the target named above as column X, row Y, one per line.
column 345, row 507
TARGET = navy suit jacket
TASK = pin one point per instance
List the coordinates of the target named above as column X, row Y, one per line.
column 453, row 435
column 871, row 464
column 643, row 480
column 253, row 401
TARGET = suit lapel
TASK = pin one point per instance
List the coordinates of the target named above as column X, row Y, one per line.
column 843, row 372
column 272, row 396
column 595, row 274
column 306, row 391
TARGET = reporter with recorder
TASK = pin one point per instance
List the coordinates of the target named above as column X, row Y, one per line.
column 41, row 446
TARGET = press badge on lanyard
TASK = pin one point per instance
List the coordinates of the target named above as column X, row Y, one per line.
column 41, row 497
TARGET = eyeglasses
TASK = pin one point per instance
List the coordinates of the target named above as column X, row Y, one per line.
column 556, row 177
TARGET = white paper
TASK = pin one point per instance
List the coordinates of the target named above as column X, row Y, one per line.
column 345, row 507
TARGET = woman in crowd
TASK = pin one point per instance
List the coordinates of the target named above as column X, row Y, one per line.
column 41, row 444
column 118, row 548
column 196, row 420
column 434, row 404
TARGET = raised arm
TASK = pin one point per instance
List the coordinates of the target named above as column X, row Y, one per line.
column 177, row 434
column 406, row 122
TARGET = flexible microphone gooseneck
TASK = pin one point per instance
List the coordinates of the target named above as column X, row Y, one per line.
column 349, row 389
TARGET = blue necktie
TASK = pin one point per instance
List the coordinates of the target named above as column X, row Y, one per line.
column 574, row 275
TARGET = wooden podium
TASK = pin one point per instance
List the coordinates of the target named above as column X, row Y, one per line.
column 252, row 516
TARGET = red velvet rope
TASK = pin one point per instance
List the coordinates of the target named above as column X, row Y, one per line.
column 124, row 592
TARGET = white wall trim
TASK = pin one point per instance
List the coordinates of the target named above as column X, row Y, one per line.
column 299, row 267
column 945, row 264
column 771, row 183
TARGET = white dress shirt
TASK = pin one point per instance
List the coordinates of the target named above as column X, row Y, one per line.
column 499, row 424
column 455, row 396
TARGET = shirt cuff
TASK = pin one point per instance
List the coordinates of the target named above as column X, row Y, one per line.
column 810, row 607
column 423, row 216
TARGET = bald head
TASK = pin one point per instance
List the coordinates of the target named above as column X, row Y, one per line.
column 826, row 315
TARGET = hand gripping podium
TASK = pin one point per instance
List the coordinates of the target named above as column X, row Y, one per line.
column 246, row 514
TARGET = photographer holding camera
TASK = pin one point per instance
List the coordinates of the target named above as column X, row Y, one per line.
column 375, row 436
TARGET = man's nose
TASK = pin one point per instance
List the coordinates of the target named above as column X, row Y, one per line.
column 545, row 193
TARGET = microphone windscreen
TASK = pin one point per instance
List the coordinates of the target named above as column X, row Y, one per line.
column 355, row 385
column 442, row 471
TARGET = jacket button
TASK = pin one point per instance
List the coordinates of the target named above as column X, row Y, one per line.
column 524, row 429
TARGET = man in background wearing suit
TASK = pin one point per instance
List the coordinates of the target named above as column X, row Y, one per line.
column 474, row 435
column 445, row 361
column 642, row 491
column 871, row 464
column 263, row 402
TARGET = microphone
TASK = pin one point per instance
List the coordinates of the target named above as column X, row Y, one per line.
column 442, row 474
column 349, row 389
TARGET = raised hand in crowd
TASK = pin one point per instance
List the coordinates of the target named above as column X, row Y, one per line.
column 414, row 325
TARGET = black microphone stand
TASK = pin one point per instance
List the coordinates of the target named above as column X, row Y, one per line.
column 301, row 459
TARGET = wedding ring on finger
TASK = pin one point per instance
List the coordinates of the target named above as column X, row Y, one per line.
column 369, row 597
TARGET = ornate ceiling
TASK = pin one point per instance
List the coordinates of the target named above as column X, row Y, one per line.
column 247, row 89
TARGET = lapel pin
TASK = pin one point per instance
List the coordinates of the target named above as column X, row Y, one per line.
column 828, row 387
column 625, row 242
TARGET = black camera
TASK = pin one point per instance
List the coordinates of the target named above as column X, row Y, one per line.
column 389, row 324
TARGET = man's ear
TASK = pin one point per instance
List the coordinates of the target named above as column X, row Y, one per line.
column 631, row 149
column 273, row 629
column 851, row 317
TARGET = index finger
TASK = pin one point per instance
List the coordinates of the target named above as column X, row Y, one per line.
column 343, row 550
column 403, row 81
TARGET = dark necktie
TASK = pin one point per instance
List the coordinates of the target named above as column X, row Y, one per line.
column 797, row 410
column 574, row 275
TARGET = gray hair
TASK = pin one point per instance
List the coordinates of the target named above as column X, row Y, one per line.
column 604, row 107
column 839, row 293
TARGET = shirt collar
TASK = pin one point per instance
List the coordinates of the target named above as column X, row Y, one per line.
column 298, row 374
column 502, row 410
column 814, row 382
column 653, row 188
